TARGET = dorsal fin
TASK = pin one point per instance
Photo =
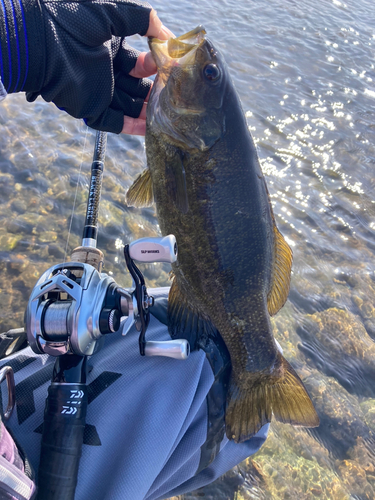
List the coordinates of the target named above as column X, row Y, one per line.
column 281, row 274
column 140, row 194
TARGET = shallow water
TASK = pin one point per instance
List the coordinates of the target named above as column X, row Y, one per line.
column 306, row 77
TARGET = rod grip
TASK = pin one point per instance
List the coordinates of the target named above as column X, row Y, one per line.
column 62, row 438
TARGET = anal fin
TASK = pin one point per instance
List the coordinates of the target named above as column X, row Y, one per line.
column 282, row 268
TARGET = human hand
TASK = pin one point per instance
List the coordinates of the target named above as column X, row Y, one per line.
column 75, row 54
column 144, row 67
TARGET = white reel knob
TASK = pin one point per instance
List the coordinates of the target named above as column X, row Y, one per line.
column 154, row 249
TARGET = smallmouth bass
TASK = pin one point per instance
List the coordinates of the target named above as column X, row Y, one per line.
column 233, row 268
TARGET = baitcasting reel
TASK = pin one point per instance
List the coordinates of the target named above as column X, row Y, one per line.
column 72, row 306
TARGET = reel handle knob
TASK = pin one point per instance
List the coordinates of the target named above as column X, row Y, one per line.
column 177, row 349
column 154, row 249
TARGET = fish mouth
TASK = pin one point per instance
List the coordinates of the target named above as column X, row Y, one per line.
column 176, row 107
column 179, row 51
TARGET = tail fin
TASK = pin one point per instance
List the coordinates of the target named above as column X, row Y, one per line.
column 252, row 402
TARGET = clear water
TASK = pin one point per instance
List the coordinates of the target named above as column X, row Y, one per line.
column 306, row 77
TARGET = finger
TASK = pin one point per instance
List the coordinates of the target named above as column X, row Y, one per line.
column 134, row 126
column 120, row 18
column 142, row 115
column 157, row 29
column 145, row 66
column 134, row 87
column 111, row 120
column 126, row 58
column 130, row 106
column 148, row 95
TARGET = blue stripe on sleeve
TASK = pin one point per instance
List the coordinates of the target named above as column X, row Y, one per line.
column 18, row 47
column 1, row 67
column 26, row 46
column 8, row 41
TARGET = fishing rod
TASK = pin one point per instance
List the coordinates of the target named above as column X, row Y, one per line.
column 72, row 307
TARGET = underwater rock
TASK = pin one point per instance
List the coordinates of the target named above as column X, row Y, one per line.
column 56, row 251
column 296, row 466
column 243, row 482
column 341, row 418
column 19, row 224
column 362, row 296
column 19, row 206
column 368, row 408
column 309, row 296
column 361, row 466
column 138, row 227
column 111, row 184
column 48, row 236
column 355, row 476
column 336, row 342
column 6, row 186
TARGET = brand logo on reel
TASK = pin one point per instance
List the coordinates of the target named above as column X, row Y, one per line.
column 150, row 251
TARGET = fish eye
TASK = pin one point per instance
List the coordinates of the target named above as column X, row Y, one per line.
column 212, row 72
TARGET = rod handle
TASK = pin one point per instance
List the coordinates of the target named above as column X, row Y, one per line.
column 62, row 439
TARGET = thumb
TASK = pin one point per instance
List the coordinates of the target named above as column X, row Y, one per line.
column 157, row 29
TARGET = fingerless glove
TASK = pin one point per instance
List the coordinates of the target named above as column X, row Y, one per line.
column 74, row 53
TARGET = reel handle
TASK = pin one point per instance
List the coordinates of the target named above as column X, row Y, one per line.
column 177, row 349
column 149, row 250
column 154, row 249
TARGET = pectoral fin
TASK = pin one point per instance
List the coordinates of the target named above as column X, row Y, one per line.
column 281, row 274
column 140, row 193
column 185, row 320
